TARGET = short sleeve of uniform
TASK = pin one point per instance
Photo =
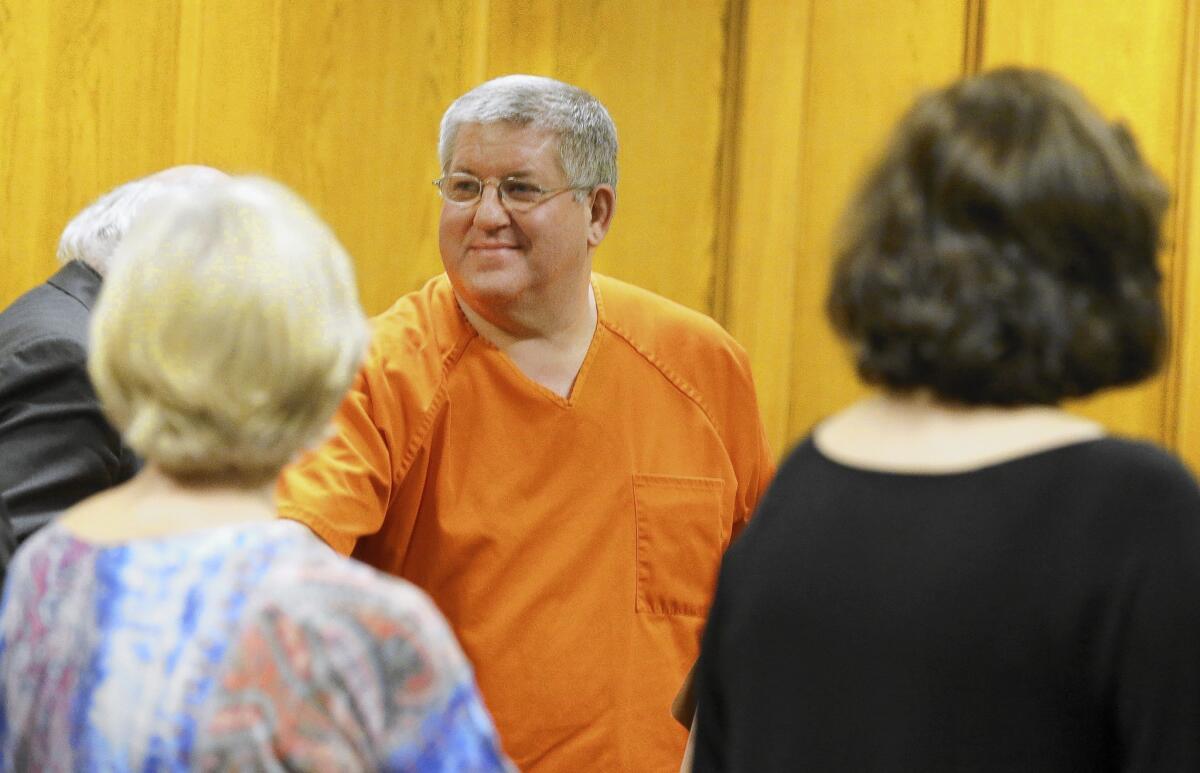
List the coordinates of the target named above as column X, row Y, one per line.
column 341, row 490
column 344, row 489
column 752, row 455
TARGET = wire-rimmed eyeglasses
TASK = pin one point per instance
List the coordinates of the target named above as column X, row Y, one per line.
column 516, row 194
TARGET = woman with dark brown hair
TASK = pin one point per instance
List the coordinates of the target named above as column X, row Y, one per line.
column 956, row 574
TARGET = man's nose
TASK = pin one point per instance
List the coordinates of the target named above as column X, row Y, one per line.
column 490, row 211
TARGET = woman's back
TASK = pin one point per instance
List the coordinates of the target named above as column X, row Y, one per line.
column 1034, row 614
column 958, row 575
column 235, row 646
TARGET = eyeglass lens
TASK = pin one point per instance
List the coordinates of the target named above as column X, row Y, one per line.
column 463, row 188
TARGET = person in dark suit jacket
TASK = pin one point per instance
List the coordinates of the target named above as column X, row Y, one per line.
column 56, row 448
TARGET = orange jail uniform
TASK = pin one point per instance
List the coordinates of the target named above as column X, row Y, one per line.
column 573, row 544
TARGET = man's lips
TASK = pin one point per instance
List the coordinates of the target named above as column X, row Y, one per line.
column 494, row 252
column 492, row 246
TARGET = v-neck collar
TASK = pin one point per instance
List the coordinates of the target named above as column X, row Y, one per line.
column 584, row 367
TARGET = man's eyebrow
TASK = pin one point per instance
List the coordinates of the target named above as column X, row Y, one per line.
column 519, row 173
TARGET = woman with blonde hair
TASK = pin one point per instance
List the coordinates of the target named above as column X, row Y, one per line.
column 173, row 622
column 955, row 574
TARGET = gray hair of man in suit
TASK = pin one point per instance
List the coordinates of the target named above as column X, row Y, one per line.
column 92, row 235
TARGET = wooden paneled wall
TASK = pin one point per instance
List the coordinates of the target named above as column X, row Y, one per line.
column 822, row 82
column 341, row 99
column 744, row 125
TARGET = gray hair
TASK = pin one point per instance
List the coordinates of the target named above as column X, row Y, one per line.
column 92, row 235
column 587, row 136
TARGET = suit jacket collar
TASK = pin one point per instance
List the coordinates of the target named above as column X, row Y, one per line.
column 78, row 280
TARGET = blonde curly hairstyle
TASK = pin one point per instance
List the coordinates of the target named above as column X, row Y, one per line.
column 227, row 332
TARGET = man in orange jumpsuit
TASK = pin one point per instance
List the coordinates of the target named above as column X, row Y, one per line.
column 558, row 458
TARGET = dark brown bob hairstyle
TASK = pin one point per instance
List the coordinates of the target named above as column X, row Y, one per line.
column 1003, row 250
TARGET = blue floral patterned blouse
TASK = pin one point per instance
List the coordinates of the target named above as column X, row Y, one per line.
column 247, row 647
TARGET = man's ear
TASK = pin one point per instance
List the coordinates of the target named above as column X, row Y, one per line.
column 603, row 201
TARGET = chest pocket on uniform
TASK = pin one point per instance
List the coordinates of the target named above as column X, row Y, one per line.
column 678, row 542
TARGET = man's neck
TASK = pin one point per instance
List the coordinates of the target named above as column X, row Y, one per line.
column 548, row 348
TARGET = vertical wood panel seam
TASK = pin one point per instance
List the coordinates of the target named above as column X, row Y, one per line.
column 803, row 226
column 1180, row 239
column 974, row 36
column 725, row 204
